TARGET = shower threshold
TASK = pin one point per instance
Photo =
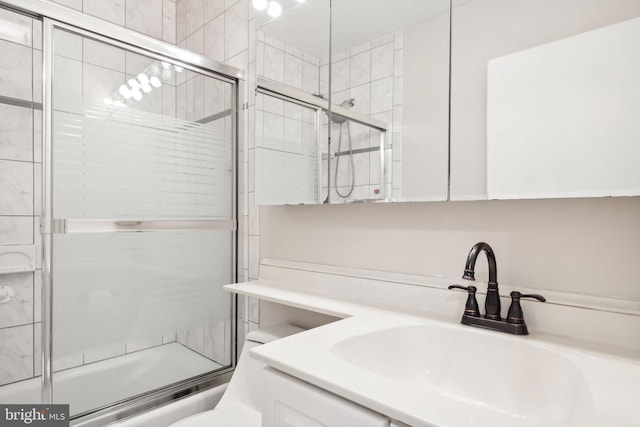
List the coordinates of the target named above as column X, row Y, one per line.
column 102, row 383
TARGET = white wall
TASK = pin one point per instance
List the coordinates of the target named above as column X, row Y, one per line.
column 486, row 29
column 574, row 245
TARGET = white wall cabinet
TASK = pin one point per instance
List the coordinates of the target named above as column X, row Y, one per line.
column 290, row 402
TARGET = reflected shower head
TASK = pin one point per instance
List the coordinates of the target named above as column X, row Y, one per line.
column 348, row 103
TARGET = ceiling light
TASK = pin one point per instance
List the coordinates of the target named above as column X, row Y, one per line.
column 146, row 88
column 108, row 101
column 137, row 95
column 142, row 78
column 134, row 84
column 274, row 10
column 260, row 4
column 155, row 82
column 125, row 92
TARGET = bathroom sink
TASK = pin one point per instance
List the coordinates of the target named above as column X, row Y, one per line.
column 512, row 376
column 432, row 373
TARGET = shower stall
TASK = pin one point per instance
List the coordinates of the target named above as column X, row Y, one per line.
column 127, row 174
column 295, row 164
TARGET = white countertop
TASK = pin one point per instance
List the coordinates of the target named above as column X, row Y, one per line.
column 309, row 357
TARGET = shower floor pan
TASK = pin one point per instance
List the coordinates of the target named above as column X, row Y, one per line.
column 102, row 383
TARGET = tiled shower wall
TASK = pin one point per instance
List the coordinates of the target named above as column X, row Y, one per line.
column 155, row 18
column 285, row 144
column 20, row 157
column 371, row 74
column 223, row 30
column 20, row 172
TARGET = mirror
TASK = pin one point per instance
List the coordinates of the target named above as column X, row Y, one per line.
column 389, row 102
column 545, row 96
column 390, row 62
column 289, row 49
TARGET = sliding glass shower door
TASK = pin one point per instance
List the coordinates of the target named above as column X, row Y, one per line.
column 142, row 204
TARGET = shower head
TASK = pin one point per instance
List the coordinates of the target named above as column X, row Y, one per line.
column 348, row 103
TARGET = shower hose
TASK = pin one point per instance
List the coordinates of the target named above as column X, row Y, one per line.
column 351, row 168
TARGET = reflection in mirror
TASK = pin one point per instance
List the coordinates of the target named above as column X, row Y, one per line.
column 390, row 62
column 544, row 99
column 389, row 93
column 288, row 52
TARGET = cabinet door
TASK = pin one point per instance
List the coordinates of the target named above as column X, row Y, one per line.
column 292, row 403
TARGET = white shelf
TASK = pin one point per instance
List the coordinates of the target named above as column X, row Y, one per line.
column 17, row 259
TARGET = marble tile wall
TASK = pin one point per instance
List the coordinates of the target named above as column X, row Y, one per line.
column 19, row 187
column 371, row 74
column 219, row 29
column 285, row 132
column 155, row 18
column 223, row 30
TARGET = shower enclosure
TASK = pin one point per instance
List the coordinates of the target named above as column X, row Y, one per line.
column 137, row 162
column 294, row 164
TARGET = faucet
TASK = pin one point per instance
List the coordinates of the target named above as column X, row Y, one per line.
column 492, row 301
column 514, row 323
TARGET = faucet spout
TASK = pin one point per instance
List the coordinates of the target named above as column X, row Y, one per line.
column 492, row 301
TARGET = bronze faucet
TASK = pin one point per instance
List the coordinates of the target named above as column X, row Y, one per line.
column 492, row 302
column 514, row 324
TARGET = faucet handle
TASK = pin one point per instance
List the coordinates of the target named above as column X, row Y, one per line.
column 515, row 315
column 471, row 307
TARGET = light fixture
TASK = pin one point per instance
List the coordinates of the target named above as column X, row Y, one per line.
column 108, row 101
column 178, row 68
column 143, row 79
column 137, row 95
column 165, row 64
column 134, row 85
column 301, row 1
column 125, row 92
column 145, row 88
column 260, row 4
column 155, row 82
column 274, row 9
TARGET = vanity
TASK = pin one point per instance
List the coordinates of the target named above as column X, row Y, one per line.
column 396, row 354
column 461, row 101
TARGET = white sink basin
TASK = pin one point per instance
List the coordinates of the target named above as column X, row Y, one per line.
column 515, row 377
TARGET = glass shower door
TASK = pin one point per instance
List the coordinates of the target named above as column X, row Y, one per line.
column 143, row 181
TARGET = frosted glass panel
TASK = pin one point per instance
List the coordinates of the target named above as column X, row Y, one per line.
column 122, row 287
column 137, row 137
column 286, row 154
column 130, row 163
column 149, row 141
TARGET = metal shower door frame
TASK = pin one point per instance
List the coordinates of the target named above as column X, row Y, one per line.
column 58, row 17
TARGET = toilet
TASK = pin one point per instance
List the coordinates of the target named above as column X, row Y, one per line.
column 240, row 406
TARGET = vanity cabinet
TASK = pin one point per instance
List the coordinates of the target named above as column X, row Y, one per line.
column 290, row 402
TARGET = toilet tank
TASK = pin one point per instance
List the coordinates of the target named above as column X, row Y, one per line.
column 246, row 386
